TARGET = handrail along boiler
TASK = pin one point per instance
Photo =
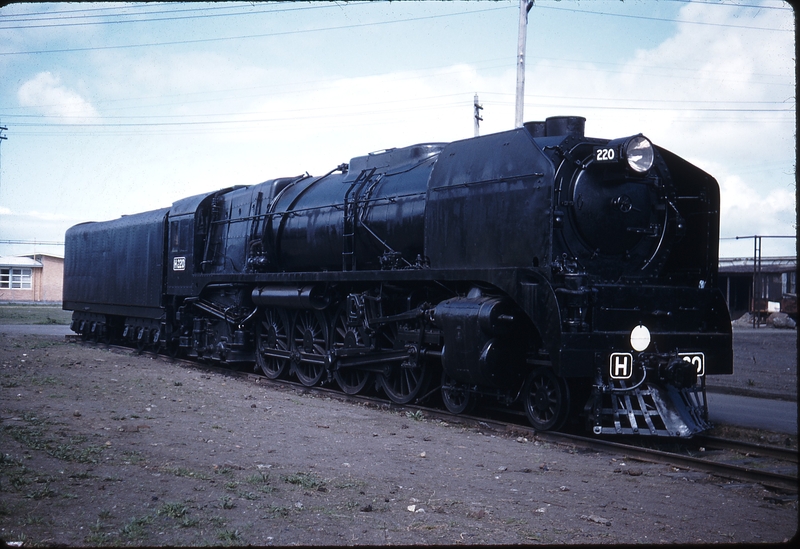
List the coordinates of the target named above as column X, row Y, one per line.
column 573, row 277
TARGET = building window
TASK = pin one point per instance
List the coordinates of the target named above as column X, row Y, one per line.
column 16, row 279
column 789, row 282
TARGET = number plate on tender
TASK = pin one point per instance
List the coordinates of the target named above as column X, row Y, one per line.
column 698, row 359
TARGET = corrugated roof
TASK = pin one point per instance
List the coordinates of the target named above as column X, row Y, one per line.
column 768, row 265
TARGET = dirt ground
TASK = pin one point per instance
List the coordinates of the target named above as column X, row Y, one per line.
column 101, row 447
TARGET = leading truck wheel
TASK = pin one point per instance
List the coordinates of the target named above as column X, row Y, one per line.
column 546, row 399
column 456, row 396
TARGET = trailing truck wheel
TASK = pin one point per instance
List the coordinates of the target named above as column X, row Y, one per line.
column 310, row 343
column 272, row 334
column 456, row 396
column 546, row 399
column 173, row 347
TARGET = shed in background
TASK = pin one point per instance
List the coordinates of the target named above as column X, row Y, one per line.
column 768, row 287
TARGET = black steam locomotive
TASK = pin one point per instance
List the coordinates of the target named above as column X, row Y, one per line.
column 573, row 277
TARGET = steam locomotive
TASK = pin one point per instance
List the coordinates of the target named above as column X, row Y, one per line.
column 537, row 268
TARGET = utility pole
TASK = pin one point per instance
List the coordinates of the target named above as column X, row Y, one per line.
column 478, row 118
column 2, row 138
column 524, row 7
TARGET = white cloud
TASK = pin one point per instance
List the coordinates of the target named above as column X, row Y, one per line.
column 46, row 93
column 704, row 94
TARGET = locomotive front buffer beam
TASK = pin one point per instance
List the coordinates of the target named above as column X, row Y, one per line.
column 648, row 393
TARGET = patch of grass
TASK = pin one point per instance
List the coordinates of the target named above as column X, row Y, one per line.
column 67, row 452
column 34, row 314
column 135, row 528
column 7, row 460
column 217, row 521
column 41, row 493
column 278, row 510
column 189, row 522
column 46, row 380
column 33, row 520
column 349, row 483
column 97, row 539
column 173, row 510
column 18, row 481
column 184, row 472
column 261, row 483
column 133, row 457
column 416, row 416
column 34, row 437
column 229, row 536
column 309, row 481
column 227, row 502
column 258, row 478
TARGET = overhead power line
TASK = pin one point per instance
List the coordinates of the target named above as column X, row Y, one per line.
column 357, row 25
column 252, row 36
column 667, row 20
column 137, row 17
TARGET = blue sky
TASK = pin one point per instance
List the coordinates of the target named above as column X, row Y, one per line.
column 113, row 109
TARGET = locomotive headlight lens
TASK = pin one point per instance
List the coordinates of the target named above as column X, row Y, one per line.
column 639, row 154
column 640, row 338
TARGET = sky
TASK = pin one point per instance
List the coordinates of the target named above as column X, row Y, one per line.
column 113, row 109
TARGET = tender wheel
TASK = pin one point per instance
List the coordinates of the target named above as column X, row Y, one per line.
column 142, row 339
column 546, row 399
column 457, row 398
column 272, row 333
column 105, row 335
column 351, row 380
column 309, row 340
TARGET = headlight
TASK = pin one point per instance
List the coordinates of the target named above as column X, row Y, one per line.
column 640, row 338
column 639, row 153
column 636, row 151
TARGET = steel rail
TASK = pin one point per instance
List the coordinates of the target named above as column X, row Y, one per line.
column 751, row 448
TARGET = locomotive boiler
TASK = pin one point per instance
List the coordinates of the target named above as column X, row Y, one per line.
column 572, row 277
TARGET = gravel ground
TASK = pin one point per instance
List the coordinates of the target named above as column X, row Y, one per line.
column 764, row 364
column 101, row 447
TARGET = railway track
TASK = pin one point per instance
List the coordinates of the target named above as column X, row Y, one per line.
column 772, row 467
